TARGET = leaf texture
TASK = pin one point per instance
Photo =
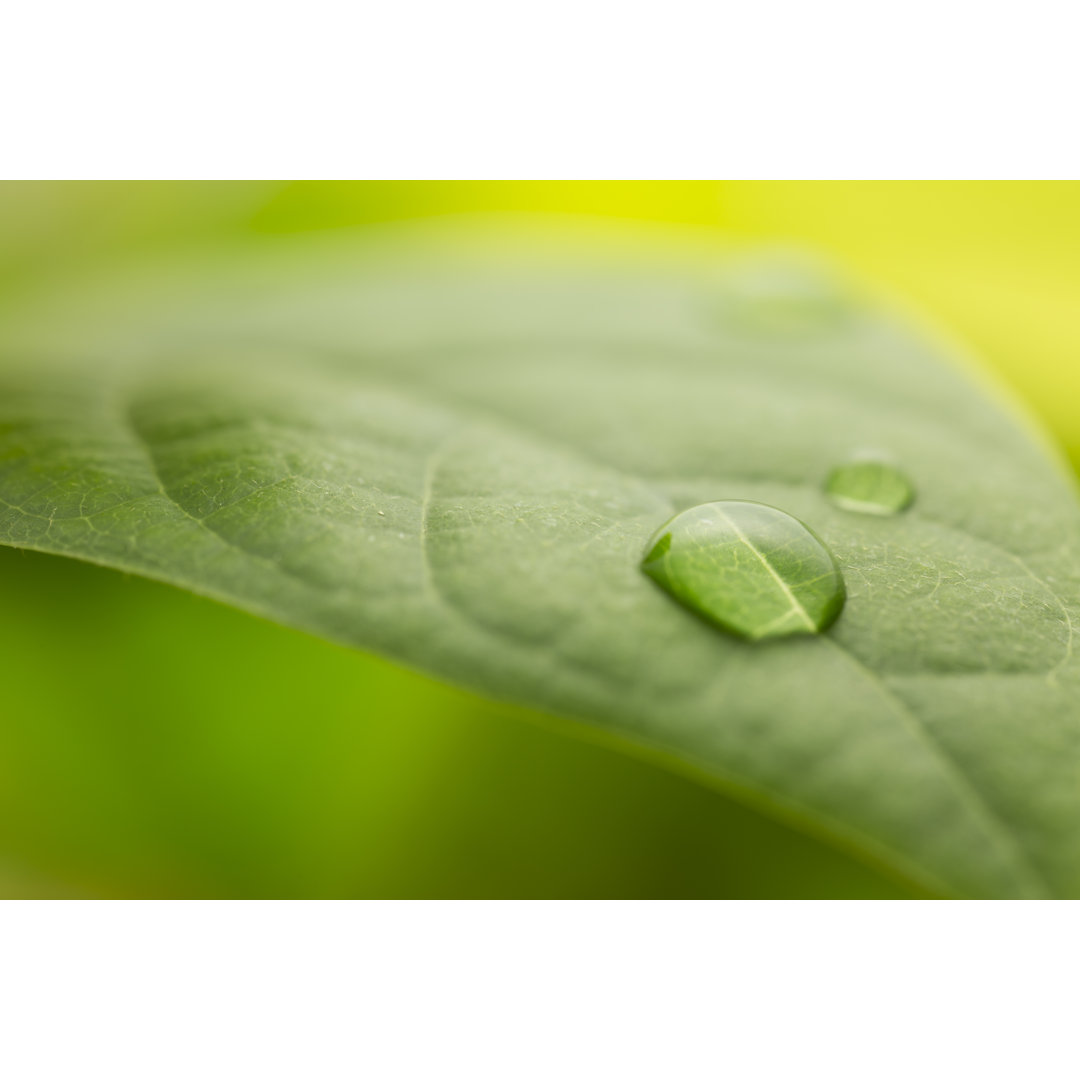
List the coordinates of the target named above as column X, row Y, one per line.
column 451, row 444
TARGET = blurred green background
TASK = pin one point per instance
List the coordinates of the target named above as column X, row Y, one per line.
column 154, row 744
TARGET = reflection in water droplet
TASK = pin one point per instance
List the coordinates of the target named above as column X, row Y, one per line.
column 870, row 487
column 749, row 568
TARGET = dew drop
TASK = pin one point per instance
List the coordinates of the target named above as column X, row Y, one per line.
column 782, row 296
column 870, row 487
column 748, row 568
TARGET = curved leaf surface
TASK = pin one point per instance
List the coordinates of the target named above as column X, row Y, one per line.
column 452, row 451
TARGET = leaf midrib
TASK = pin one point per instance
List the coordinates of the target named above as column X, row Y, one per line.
column 784, row 588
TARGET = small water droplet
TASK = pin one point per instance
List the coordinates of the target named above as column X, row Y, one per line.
column 870, row 487
column 782, row 295
column 748, row 568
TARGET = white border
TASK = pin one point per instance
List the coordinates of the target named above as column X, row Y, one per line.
column 566, row 89
column 894, row 991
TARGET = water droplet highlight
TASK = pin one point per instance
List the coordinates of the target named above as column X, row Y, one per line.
column 748, row 568
column 870, row 487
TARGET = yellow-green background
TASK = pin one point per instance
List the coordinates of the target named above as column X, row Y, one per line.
column 155, row 744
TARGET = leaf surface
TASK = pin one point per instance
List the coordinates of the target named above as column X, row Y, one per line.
column 452, row 450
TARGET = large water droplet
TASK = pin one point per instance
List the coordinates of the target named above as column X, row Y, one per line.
column 748, row 568
column 870, row 487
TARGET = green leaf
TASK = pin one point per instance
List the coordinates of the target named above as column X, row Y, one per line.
column 452, row 450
